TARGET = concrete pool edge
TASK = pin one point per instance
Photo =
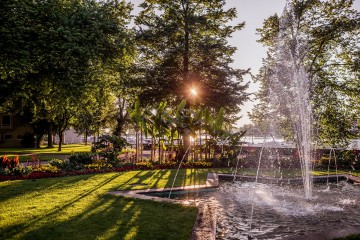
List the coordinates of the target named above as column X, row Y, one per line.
column 295, row 180
column 211, row 182
column 205, row 225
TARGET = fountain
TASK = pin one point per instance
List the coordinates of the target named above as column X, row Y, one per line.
column 289, row 89
column 252, row 208
column 280, row 212
column 290, row 208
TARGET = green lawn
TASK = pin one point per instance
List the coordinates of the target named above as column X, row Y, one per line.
column 78, row 207
column 45, row 154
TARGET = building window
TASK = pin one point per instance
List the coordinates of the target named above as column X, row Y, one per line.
column 8, row 137
column 20, row 137
column 6, row 121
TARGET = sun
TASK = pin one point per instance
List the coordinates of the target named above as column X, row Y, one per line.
column 193, row 92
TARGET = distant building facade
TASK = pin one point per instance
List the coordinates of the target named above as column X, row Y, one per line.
column 15, row 132
column 69, row 137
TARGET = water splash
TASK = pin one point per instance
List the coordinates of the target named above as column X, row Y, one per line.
column 290, row 91
column 332, row 152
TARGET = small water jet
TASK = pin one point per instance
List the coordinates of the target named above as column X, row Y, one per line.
column 177, row 171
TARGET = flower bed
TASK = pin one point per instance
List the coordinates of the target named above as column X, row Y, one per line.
column 41, row 173
column 80, row 164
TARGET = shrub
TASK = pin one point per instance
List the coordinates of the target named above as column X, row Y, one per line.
column 21, row 170
column 47, row 168
column 65, row 165
column 114, row 143
column 111, row 157
column 81, row 158
column 58, row 163
column 345, row 160
column 5, row 171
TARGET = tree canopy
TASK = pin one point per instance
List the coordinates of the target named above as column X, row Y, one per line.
column 56, row 56
column 323, row 38
column 183, row 45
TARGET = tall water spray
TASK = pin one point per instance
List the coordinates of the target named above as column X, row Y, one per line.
column 290, row 89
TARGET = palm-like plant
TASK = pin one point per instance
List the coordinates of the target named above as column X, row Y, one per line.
column 136, row 116
column 161, row 125
column 183, row 121
column 215, row 127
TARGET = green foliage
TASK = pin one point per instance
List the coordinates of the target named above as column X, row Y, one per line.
column 184, row 45
column 59, row 163
column 111, row 157
column 81, row 158
column 18, row 171
column 327, row 49
column 109, row 149
column 110, row 142
column 66, row 165
column 76, row 161
column 343, row 159
column 46, row 168
column 58, row 56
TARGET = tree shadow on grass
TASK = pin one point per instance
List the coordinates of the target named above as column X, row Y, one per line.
column 187, row 177
column 162, row 178
column 109, row 217
column 148, row 179
column 23, row 227
column 13, row 189
column 119, row 218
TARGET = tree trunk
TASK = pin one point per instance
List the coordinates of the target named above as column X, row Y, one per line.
column 50, row 140
column 136, row 146
column 60, row 139
column 62, row 126
column 119, row 126
column 159, row 152
column 171, row 148
column 121, row 117
column 86, row 136
column 141, row 145
column 200, row 147
column 186, row 136
column 151, row 149
column 186, row 147
column 206, row 146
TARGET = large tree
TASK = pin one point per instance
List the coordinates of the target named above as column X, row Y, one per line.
column 55, row 52
column 322, row 39
column 183, row 45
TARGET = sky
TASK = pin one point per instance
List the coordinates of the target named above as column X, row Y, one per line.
column 249, row 53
